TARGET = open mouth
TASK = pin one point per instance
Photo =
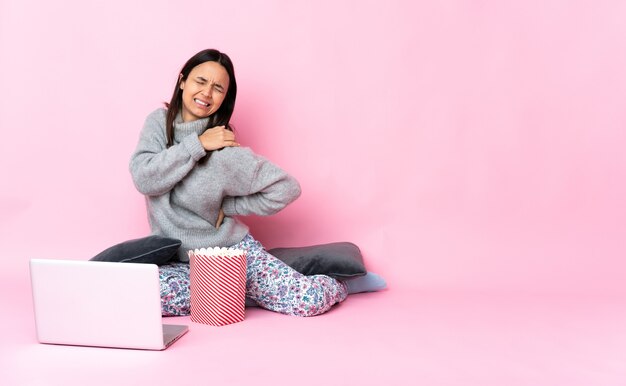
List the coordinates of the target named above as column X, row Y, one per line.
column 201, row 103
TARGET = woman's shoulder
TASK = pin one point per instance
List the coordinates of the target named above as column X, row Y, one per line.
column 157, row 115
column 155, row 122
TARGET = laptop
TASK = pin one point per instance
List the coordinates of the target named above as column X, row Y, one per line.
column 101, row 304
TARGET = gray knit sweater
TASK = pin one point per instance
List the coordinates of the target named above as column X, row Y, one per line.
column 184, row 193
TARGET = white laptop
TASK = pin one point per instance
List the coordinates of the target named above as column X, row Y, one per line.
column 103, row 304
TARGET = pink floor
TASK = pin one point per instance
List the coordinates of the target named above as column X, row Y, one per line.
column 395, row 337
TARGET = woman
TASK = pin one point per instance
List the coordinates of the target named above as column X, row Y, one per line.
column 196, row 178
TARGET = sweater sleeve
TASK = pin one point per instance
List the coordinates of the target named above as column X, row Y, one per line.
column 271, row 189
column 154, row 167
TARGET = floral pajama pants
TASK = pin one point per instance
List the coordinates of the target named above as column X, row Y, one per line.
column 270, row 283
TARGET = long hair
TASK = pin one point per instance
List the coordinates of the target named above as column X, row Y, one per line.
column 222, row 116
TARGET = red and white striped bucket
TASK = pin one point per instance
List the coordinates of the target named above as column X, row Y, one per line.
column 218, row 285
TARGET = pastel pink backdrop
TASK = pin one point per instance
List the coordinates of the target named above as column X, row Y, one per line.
column 463, row 145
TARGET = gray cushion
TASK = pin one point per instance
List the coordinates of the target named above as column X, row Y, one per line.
column 338, row 260
column 151, row 250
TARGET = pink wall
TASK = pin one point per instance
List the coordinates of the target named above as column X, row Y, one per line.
column 462, row 144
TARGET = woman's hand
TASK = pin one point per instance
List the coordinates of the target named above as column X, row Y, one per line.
column 216, row 138
column 220, row 219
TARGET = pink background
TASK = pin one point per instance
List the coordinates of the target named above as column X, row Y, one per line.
column 474, row 150
column 463, row 145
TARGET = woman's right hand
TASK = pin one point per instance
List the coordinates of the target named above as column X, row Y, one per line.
column 216, row 138
column 220, row 219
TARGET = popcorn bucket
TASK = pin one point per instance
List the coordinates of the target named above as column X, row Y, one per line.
column 217, row 285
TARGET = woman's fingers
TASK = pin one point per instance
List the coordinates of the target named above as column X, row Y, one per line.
column 217, row 137
column 220, row 219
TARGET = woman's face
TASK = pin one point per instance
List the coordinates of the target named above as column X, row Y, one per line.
column 204, row 90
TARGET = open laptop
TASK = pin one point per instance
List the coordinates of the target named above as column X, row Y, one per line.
column 103, row 304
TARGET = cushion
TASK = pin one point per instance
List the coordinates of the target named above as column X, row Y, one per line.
column 151, row 250
column 338, row 260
